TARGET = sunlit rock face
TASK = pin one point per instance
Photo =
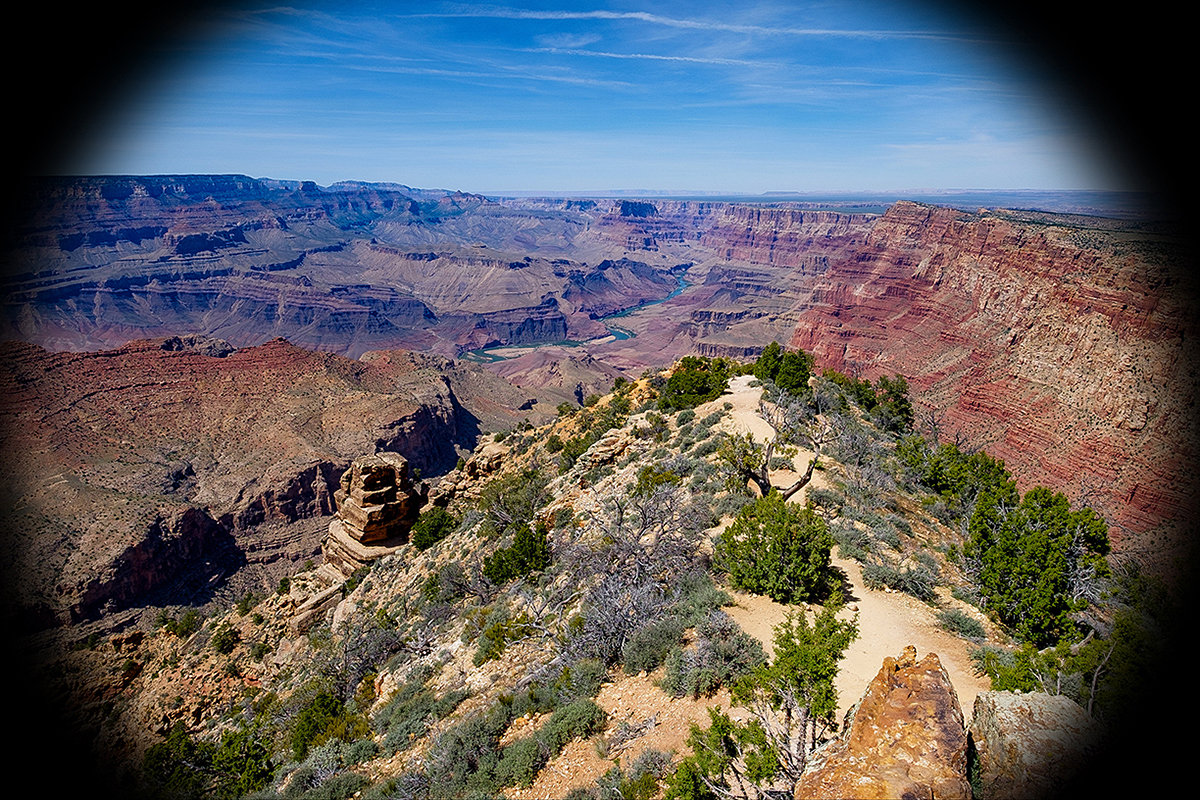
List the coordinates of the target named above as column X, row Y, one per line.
column 1031, row 745
column 904, row 738
column 1057, row 343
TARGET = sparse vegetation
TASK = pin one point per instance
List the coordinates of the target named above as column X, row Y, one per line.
column 792, row 699
column 959, row 623
column 619, row 584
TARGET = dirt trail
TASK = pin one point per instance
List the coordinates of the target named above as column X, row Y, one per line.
column 887, row 621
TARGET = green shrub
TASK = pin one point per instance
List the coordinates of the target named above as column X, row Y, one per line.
column 723, row 653
column 520, row 762
column 507, row 502
column 648, row 647
column 337, row 787
column 961, row 624
column 180, row 767
column 579, row 718
column 530, row 552
column 224, row 639
column 886, row 534
column 432, row 526
column 412, row 709
column 314, row 722
column 697, row 597
column 183, row 627
column 695, row 380
column 498, row 631
column 787, row 369
column 1039, row 560
column 776, row 549
column 246, row 602
column 918, row 581
column 462, row 759
column 851, row 542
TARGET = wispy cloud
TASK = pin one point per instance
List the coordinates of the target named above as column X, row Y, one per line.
column 568, row 40
column 651, row 57
column 502, row 12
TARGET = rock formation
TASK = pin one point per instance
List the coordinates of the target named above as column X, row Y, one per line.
column 1058, row 342
column 377, row 504
column 904, row 738
column 164, row 469
column 377, row 500
column 1031, row 746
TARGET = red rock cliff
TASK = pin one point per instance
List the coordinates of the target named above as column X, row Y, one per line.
column 1062, row 345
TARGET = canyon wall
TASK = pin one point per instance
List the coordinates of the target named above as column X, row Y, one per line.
column 1062, row 345
column 156, row 471
column 102, row 261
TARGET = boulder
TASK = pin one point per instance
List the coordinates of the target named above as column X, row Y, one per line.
column 904, row 738
column 1030, row 745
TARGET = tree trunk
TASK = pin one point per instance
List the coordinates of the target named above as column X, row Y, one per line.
column 802, row 481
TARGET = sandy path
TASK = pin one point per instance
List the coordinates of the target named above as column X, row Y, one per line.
column 887, row 621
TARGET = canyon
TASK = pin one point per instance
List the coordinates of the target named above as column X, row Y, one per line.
column 193, row 365
column 179, row 470
column 1059, row 342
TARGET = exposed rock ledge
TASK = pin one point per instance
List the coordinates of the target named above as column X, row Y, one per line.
column 1030, row 745
column 904, row 738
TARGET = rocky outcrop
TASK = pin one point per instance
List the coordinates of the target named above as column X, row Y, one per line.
column 904, row 738
column 1031, row 746
column 377, row 499
column 377, row 506
column 167, row 470
column 466, row 480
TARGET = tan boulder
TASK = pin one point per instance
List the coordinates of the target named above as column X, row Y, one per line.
column 1030, row 745
column 904, row 738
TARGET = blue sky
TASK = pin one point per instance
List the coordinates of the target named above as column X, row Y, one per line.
column 742, row 97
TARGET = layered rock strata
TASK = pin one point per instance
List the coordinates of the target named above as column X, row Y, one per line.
column 377, row 506
column 1059, row 344
column 377, row 499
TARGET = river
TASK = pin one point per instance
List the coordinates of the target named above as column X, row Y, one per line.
column 615, row 333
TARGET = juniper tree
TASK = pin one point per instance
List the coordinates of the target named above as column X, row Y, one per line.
column 777, row 549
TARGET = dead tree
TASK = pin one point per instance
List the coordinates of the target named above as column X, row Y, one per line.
column 794, row 423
